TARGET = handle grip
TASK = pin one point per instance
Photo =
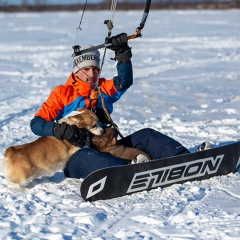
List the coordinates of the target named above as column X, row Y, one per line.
column 133, row 36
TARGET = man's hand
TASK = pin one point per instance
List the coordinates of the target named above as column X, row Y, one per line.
column 71, row 133
column 120, row 46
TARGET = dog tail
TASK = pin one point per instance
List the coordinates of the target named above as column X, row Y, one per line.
column 10, row 168
column 7, row 152
column 5, row 166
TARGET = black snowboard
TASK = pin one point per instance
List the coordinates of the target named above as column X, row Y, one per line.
column 123, row 180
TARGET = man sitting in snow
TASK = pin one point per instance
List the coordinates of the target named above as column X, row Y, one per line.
column 76, row 93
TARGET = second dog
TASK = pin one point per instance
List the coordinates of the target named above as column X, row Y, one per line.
column 108, row 143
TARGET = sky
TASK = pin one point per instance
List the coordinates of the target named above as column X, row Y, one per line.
column 19, row 2
column 186, row 85
column 56, row 2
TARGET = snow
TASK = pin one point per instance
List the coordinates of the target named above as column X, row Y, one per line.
column 186, row 85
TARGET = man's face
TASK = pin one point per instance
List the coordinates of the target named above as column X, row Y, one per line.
column 88, row 74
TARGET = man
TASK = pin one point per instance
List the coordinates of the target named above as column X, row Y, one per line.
column 77, row 92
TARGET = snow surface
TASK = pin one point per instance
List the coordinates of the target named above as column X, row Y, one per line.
column 186, row 85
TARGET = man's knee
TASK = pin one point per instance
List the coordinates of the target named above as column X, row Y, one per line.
column 75, row 167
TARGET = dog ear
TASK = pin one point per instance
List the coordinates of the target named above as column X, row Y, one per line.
column 77, row 119
column 81, row 109
column 112, row 142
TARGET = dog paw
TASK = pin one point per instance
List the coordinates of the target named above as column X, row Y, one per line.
column 139, row 159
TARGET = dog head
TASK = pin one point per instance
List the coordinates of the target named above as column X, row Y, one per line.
column 85, row 118
column 107, row 140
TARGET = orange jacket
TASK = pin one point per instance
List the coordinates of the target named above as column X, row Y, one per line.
column 76, row 94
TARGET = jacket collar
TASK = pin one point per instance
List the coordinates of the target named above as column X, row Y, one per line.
column 81, row 87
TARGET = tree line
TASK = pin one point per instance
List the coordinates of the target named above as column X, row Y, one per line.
column 42, row 5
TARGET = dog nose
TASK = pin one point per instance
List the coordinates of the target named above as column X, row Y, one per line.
column 103, row 131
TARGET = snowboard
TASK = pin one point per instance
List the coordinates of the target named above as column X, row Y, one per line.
column 123, row 180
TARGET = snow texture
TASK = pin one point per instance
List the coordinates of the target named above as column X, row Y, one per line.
column 186, row 85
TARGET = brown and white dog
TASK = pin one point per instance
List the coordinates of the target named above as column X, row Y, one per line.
column 46, row 155
column 108, row 143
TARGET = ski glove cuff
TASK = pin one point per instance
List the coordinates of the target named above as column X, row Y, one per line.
column 71, row 133
column 120, row 46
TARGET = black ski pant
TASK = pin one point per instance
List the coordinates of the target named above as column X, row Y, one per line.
column 156, row 144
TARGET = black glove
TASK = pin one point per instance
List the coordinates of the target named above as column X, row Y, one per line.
column 71, row 133
column 120, row 46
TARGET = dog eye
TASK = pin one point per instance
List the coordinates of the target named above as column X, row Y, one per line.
column 94, row 126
